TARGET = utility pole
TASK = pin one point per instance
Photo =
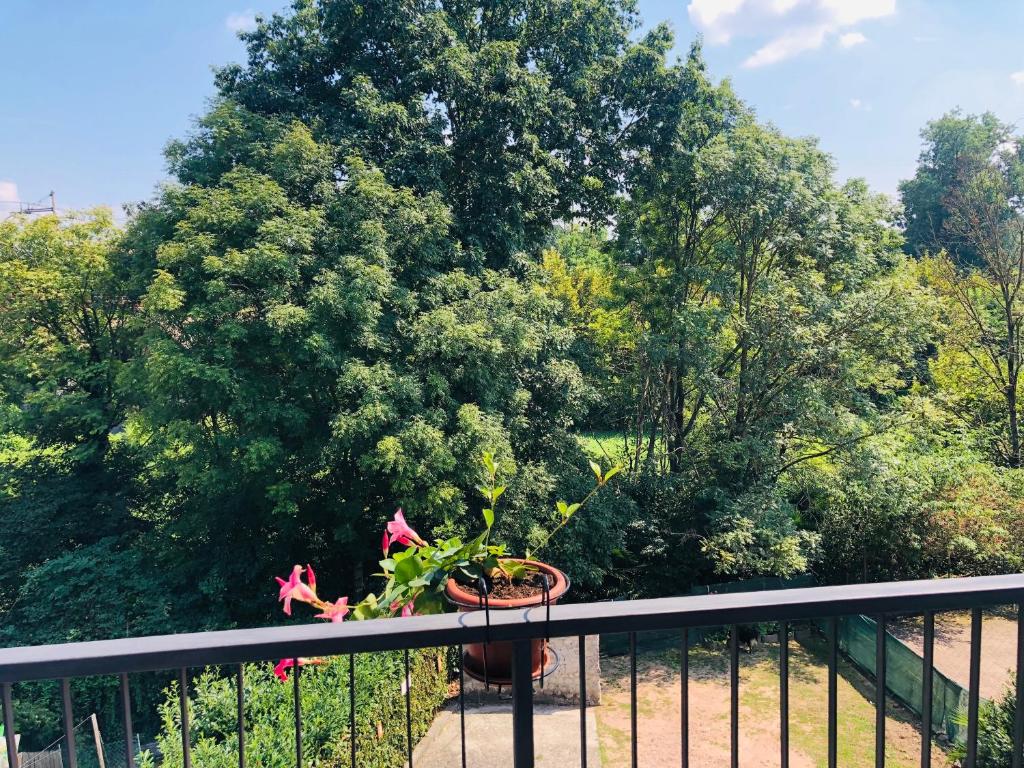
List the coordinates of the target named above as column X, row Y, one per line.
column 35, row 208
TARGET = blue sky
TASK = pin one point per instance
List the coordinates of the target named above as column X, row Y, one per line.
column 93, row 89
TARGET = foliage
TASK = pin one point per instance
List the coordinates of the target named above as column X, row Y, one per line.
column 954, row 146
column 517, row 115
column 416, row 577
column 406, row 234
column 995, row 731
column 270, row 712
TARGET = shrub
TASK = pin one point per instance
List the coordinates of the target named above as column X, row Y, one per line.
column 995, row 731
column 269, row 713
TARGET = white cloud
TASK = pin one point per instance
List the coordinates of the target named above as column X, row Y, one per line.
column 791, row 26
column 858, row 104
column 1018, row 77
column 8, row 192
column 855, row 103
column 851, row 39
column 243, row 21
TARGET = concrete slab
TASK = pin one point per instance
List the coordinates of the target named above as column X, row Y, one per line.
column 562, row 685
column 556, row 733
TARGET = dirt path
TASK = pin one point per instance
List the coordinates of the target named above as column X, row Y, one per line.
column 953, row 646
column 659, row 727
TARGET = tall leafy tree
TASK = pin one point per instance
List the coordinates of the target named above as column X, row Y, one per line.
column 316, row 356
column 518, row 113
column 955, row 146
column 986, row 214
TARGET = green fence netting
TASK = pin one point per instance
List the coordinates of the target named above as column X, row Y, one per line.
column 903, row 673
column 904, row 667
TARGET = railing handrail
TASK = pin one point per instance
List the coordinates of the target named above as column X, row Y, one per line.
column 201, row 649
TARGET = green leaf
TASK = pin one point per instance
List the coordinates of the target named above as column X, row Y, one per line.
column 408, row 569
column 612, row 472
column 597, row 470
column 563, row 508
column 498, row 490
column 489, row 517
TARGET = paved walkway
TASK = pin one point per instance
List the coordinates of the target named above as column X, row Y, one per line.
column 556, row 735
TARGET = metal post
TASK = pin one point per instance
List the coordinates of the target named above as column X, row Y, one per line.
column 972, row 693
column 880, row 670
column 186, row 738
column 583, row 700
column 126, row 706
column 522, row 703
column 69, row 722
column 634, row 754
column 734, row 697
column 833, row 687
column 927, row 681
column 240, row 702
column 12, row 741
column 1018, row 719
column 784, row 693
column 684, row 698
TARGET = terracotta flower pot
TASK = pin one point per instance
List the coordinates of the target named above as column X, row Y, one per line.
column 493, row 661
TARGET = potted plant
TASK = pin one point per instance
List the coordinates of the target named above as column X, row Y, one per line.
column 424, row 578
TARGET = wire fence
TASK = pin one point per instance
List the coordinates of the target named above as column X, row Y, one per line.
column 90, row 751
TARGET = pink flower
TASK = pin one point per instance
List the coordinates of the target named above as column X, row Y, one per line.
column 294, row 589
column 407, row 609
column 336, row 611
column 401, row 532
column 385, row 543
column 281, row 670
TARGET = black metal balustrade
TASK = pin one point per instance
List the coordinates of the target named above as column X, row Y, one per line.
column 182, row 652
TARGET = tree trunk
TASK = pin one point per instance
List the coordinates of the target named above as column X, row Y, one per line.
column 1012, row 375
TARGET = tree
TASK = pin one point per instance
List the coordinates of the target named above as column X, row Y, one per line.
column 65, row 336
column 955, row 146
column 766, row 323
column 518, row 114
column 986, row 214
column 315, row 356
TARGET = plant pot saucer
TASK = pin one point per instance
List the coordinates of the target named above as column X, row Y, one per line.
column 551, row 663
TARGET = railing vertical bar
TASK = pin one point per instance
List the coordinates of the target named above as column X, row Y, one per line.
column 880, row 670
column 126, row 708
column 408, row 709
column 297, row 699
column 583, row 701
column 522, row 704
column 734, row 696
column 352, row 705
column 186, row 738
column 684, row 697
column 67, row 711
column 833, row 662
column 972, row 691
column 927, row 681
column 784, row 693
column 240, row 696
column 462, row 703
column 634, row 762
column 12, row 744
column 1018, row 720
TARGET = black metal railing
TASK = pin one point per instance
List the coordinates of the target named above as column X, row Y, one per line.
column 186, row 651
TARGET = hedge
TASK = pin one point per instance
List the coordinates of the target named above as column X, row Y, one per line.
column 269, row 714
